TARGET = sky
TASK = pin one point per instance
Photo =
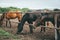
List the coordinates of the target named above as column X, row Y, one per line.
column 32, row 4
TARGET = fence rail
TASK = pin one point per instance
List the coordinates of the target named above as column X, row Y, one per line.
column 52, row 27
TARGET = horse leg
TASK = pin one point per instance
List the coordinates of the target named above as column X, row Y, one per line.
column 10, row 23
column 43, row 28
column 1, row 24
column 31, row 28
column 58, row 33
column 6, row 22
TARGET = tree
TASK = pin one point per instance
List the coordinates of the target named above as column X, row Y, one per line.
column 2, row 10
column 14, row 9
column 25, row 9
column 56, row 9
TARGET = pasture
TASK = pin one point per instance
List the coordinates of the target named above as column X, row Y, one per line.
column 37, row 35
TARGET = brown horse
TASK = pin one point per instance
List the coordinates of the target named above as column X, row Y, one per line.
column 11, row 15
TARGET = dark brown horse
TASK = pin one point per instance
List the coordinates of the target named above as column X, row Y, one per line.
column 11, row 15
column 51, row 17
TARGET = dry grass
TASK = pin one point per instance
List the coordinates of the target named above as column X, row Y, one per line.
column 37, row 35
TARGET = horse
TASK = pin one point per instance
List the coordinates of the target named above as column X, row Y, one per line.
column 51, row 17
column 45, row 17
column 11, row 15
column 30, row 17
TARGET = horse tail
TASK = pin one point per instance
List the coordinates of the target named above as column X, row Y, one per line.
column 2, row 16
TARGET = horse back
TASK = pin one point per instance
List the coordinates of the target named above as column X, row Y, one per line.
column 11, row 15
column 34, row 14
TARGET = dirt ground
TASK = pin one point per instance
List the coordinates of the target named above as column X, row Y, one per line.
column 37, row 35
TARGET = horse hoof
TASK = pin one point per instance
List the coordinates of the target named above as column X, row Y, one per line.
column 31, row 32
column 17, row 33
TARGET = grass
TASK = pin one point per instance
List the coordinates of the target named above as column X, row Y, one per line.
column 6, row 35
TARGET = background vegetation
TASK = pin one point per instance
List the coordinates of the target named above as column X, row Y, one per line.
column 6, row 9
column 2, row 10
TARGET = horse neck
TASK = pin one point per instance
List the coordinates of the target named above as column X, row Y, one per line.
column 24, row 18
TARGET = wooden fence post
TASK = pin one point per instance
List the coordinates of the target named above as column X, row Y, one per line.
column 56, row 27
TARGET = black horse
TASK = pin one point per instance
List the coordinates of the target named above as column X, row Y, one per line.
column 30, row 18
column 51, row 17
column 46, row 17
